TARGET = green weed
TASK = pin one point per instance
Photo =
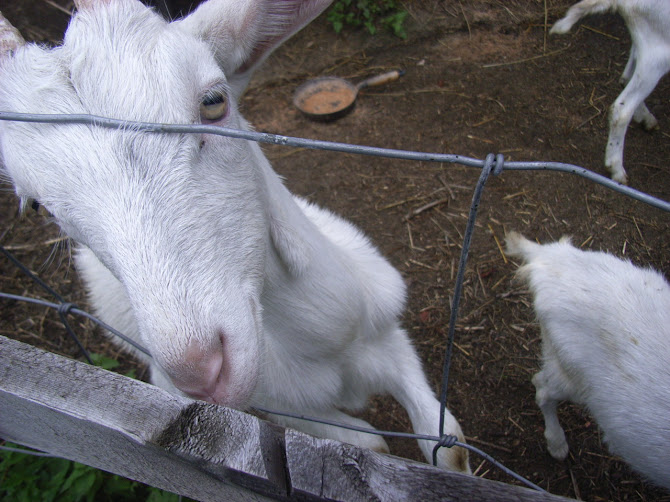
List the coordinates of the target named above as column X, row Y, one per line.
column 370, row 14
column 27, row 478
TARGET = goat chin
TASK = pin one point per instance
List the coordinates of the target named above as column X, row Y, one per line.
column 191, row 244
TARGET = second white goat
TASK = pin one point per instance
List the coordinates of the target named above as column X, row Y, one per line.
column 605, row 344
column 191, row 244
column 648, row 22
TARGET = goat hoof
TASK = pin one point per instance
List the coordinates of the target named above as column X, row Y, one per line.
column 382, row 448
column 374, row 443
column 621, row 178
column 558, row 451
column 650, row 125
column 561, row 27
column 454, row 459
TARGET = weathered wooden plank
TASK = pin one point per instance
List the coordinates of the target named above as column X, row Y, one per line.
column 108, row 421
column 362, row 475
column 202, row 451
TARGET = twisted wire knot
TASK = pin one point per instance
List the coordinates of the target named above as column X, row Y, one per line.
column 447, row 441
column 500, row 163
column 65, row 308
column 495, row 163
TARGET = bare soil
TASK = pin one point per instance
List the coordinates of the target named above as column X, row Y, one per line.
column 481, row 77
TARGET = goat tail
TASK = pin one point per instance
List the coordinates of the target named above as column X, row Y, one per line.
column 517, row 245
column 580, row 10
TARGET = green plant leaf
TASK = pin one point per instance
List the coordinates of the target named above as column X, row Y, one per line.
column 395, row 22
column 157, row 495
column 28, row 478
column 368, row 13
column 106, row 363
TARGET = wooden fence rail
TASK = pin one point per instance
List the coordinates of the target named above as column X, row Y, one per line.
column 199, row 450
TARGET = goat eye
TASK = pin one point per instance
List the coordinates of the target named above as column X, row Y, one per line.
column 213, row 107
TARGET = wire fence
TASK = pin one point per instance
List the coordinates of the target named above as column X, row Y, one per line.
column 493, row 164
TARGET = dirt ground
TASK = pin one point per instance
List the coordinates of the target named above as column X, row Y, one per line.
column 481, row 77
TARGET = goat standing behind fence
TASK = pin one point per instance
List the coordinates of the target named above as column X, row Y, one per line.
column 649, row 24
column 191, row 245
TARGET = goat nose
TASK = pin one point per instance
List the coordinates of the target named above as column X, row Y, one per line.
column 200, row 373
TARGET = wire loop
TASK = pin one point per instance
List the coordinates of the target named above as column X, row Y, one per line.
column 65, row 308
column 445, row 441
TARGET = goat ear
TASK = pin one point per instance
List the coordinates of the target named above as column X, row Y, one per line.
column 292, row 249
column 244, row 32
column 10, row 38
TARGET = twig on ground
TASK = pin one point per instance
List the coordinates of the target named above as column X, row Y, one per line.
column 526, row 60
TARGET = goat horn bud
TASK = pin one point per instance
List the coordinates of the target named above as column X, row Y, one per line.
column 10, row 38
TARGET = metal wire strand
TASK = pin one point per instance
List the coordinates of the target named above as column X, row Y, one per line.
column 32, row 276
column 28, row 452
column 493, row 164
column 63, row 309
column 276, row 139
column 77, row 311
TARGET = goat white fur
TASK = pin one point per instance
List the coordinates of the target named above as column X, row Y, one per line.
column 648, row 22
column 605, row 344
column 191, row 245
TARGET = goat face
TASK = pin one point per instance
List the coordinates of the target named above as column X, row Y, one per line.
column 179, row 220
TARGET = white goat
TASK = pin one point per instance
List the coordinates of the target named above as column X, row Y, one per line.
column 245, row 295
column 605, row 344
column 648, row 22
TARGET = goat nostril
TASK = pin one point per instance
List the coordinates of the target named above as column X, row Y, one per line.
column 216, row 370
column 200, row 374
